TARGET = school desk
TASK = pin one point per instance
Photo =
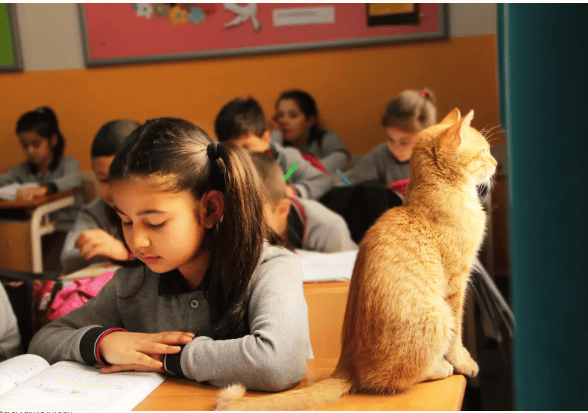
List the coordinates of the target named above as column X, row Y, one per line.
column 326, row 303
column 20, row 241
column 183, row 394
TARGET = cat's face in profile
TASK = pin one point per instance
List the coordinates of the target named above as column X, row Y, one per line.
column 455, row 150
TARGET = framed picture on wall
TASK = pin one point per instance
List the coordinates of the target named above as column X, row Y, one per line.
column 10, row 51
column 143, row 32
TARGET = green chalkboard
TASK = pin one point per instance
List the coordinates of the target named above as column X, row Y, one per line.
column 9, row 44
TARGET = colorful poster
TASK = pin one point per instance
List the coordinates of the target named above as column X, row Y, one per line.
column 128, row 33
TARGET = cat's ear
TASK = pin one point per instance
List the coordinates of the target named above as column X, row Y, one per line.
column 451, row 117
column 454, row 135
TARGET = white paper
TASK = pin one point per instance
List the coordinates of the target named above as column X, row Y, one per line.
column 71, row 386
column 321, row 266
column 18, row 369
column 8, row 192
column 303, row 16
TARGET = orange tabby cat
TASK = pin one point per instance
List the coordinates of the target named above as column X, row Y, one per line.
column 404, row 312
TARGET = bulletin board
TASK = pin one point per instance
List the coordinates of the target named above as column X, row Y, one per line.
column 10, row 58
column 139, row 32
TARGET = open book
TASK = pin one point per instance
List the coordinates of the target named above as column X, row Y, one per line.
column 8, row 192
column 28, row 382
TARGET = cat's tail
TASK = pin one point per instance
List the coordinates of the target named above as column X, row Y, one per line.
column 309, row 398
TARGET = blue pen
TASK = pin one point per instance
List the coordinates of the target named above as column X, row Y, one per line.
column 347, row 181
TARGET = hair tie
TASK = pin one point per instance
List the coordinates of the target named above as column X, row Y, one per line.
column 212, row 150
column 423, row 93
column 41, row 110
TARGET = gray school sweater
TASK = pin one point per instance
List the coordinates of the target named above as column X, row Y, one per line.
column 378, row 166
column 65, row 176
column 308, row 181
column 314, row 227
column 270, row 353
column 91, row 216
column 9, row 334
column 331, row 151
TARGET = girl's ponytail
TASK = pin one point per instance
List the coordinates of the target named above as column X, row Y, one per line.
column 239, row 236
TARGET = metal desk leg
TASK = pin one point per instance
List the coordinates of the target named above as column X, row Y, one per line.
column 38, row 228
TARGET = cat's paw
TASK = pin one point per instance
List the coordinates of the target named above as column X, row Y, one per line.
column 440, row 370
column 463, row 363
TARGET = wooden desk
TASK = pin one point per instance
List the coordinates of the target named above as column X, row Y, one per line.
column 181, row 394
column 38, row 210
column 326, row 303
column 30, row 206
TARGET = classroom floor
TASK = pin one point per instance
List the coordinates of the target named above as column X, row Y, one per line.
column 496, row 390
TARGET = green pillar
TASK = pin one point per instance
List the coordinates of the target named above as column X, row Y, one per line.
column 543, row 70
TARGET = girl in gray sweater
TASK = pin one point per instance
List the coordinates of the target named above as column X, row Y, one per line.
column 42, row 142
column 406, row 115
column 213, row 300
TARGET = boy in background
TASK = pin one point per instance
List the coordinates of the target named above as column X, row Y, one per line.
column 303, row 223
column 242, row 122
column 96, row 235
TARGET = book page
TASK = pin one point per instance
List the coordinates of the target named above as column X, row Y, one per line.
column 71, row 386
column 323, row 266
column 18, row 369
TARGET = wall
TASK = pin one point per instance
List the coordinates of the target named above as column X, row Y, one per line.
column 351, row 85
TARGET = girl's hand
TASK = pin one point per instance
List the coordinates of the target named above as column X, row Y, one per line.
column 27, row 194
column 94, row 242
column 125, row 348
column 134, row 367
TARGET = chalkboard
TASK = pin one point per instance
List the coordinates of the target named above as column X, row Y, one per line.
column 10, row 58
column 138, row 32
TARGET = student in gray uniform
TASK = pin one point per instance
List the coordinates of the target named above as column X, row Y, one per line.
column 215, row 298
column 43, row 144
column 406, row 115
column 304, row 223
column 96, row 235
column 298, row 122
column 9, row 334
column 242, row 122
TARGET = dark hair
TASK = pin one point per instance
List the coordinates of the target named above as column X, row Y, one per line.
column 43, row 122
column 178, row 149
column 111, row 135
column 411, row 110
column 239, row 117
column 271, row 176
column 307, row 105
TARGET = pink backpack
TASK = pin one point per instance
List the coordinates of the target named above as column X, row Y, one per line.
column 76, row 294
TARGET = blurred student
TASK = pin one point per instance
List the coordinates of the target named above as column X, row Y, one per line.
column 299, row 127
column 51, row 171
column 303, row 223
column 406, row 115
column 9, row 334
column 96, row 235
column 242, row 121
column 43, row 144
